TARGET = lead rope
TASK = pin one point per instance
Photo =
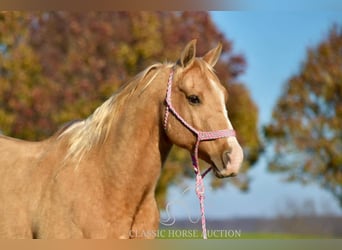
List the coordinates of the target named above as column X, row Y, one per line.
column 200, row 187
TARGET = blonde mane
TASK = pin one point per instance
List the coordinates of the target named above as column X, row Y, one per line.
column 94, row 130
column 85, row 134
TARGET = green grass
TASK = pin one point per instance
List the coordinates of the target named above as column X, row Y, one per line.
column 229, row 235
column 275, row 236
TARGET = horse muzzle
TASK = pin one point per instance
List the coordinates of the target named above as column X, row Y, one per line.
column 229, row 162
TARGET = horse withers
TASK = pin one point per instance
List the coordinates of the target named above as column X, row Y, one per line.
column 96, row 178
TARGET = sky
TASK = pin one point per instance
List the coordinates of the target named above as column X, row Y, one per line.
column 274, row 44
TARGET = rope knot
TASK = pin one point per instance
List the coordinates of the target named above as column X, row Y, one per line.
column 199, row 186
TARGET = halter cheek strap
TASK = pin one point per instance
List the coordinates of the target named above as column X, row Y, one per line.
column 200, row 136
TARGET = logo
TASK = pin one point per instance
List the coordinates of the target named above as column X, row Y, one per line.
column 170, row 219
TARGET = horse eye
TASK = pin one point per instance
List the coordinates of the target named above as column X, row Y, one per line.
column 194, row 99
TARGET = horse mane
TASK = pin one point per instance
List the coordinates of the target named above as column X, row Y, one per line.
column 85, row 134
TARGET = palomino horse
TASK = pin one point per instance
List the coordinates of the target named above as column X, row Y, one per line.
column 96, row 178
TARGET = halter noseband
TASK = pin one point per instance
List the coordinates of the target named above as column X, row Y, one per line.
column 200, row 136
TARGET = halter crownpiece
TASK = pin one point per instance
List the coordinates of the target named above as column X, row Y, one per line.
column 200, row 136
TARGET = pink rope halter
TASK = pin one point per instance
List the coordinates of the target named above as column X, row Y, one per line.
column 200, row 136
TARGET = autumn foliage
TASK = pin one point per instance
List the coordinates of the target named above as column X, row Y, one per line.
column 59, row 66
column 306, row 130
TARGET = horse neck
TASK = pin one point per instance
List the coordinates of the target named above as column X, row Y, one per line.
column 137, row 141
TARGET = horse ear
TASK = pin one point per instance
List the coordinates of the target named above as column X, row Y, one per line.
column 188, row 54
column 213, row 55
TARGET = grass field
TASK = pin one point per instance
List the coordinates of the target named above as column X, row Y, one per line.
column 229, row 235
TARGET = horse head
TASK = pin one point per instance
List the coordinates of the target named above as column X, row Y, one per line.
column 199, row 120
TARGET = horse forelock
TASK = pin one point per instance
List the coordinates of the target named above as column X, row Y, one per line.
column 204, row 67
column 84, row 135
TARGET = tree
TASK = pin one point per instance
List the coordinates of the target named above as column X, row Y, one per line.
column 23, row 103
column 306, row 127
column 80, row 59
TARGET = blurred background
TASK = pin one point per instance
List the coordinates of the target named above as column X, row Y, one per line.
column 283, row 70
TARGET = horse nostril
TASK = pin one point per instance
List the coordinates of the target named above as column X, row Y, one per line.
column 226, row 157
column 232, row 175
